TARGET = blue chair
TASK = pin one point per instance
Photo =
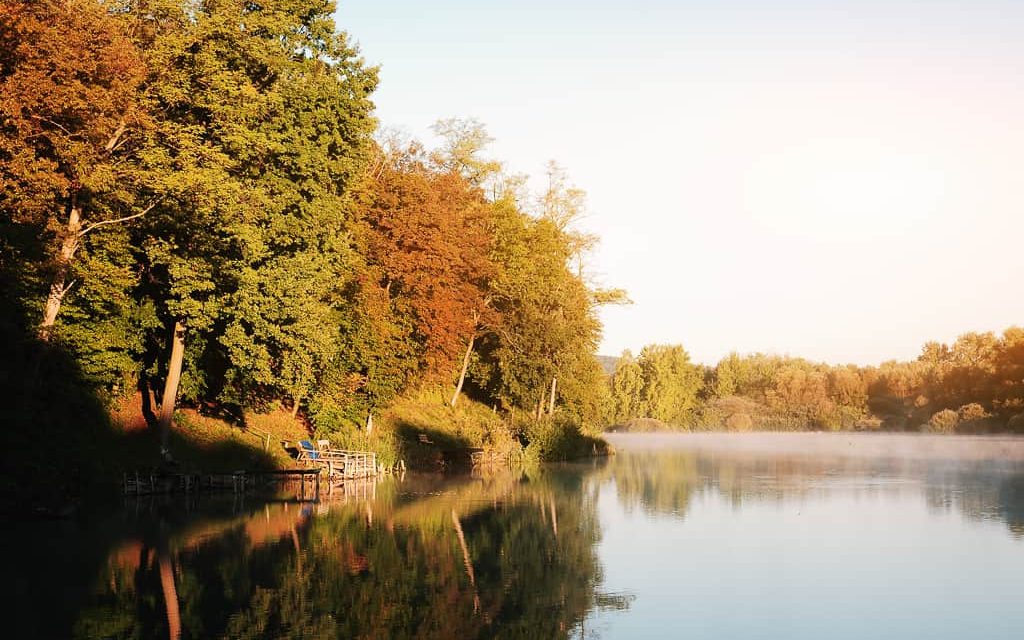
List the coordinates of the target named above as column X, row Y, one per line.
column 307, row 451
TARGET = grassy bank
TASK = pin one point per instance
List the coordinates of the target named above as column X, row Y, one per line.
column 72, row 446
column 420, row 427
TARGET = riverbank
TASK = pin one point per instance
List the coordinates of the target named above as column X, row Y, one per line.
column 77, row 452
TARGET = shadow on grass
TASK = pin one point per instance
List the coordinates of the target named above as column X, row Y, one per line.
column 59, row 446
column 426, row 447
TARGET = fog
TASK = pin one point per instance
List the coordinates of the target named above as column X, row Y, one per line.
column 887, row 445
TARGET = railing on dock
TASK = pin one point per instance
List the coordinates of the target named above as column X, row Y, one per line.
column 344, row 464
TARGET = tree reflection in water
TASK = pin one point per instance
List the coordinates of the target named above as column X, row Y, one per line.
column 663, row 482
column 506, row 556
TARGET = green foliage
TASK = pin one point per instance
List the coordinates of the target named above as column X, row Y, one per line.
column 661, row 384
column 977, row 378
column 560, row 438
column 626, row 386
column 221, row 156
column 671, row 383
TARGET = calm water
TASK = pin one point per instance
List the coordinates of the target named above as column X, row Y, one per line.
column 741, row 536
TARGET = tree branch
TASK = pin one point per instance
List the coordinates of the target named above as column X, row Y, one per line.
column 115, row 221
column 112, row 143
column 67, row 288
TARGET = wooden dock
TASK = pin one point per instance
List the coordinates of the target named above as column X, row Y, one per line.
column 139, row 483
column 341, row 464
column 335, row 465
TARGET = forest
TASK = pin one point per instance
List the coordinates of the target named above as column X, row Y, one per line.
column 199, row 208
column 975, row 385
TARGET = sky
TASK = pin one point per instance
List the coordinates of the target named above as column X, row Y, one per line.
column 840, row 181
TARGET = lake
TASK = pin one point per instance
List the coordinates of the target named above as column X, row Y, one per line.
column 678, row 536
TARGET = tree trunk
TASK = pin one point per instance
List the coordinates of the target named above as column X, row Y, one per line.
column 465, row 365
column 295, row 405
column 171, row 386
column 58, row 286
column 551, row 402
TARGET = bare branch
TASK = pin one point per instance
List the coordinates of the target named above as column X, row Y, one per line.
column 51, row 122
column 112, row 143
column 66, row 288
column 116, row 221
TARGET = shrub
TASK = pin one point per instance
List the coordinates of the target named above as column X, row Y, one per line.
column 1016, row 423
column 971, row 412
column 739, row 422
column 646, row 425
column 944, row 421
column 559, row 438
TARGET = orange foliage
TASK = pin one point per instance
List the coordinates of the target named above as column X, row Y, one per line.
column 429, row 242
column 69, row 101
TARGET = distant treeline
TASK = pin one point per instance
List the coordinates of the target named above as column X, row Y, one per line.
column 975, row 385
column 196, row 203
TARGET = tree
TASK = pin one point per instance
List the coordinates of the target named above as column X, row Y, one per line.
column 627, row 384
column 266, row 125
column 428, row 244
column 463, row 141
column 671, row 383
column 73, row 116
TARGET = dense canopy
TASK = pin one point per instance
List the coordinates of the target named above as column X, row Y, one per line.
column 197, row 205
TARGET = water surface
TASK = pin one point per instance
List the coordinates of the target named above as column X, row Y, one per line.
column 731, row 536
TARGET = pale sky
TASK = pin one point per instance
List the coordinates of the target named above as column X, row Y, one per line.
column 841, row 181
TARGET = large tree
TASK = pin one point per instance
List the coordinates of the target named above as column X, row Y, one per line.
column 266, row 124
column 72, row 119
column 429, row 244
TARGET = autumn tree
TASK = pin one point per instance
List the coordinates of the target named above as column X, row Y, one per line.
column 428, row 248
column 72, row 118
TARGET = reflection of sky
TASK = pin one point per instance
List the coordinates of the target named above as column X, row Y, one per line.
column 852, row 557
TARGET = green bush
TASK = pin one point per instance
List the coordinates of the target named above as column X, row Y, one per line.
column 944, row 421
column 560, row 438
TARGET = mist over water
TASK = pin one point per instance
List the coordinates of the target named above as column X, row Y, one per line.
column 813, row 536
